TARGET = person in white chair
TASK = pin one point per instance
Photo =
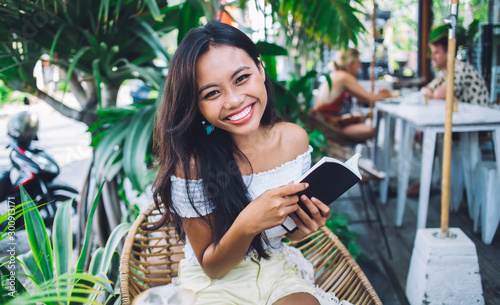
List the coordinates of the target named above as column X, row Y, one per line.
column 469, row 86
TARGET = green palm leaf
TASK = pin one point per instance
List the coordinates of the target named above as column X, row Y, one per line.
column 333, row 22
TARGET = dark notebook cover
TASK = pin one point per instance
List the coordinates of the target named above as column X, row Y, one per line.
column 328, row 179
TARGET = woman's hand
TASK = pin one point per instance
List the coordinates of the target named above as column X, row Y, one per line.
column 268, row 210
column 383, row 93
column 320, row 213
column 271, row 208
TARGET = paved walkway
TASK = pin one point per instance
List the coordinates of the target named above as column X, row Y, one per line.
column 62, row 138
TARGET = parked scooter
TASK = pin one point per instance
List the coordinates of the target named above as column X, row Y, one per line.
column 32, row 168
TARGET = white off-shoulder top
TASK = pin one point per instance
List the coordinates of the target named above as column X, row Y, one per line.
column 256, row 183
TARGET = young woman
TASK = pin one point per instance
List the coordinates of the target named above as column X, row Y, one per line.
column 333, row 104
column 226, row 169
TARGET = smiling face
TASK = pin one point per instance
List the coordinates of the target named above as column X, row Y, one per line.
column 231, row 91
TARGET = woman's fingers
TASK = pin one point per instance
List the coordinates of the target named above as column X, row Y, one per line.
column 320, row 213
column 292, row 189
column 287, row 194
column 313, row 209
column 291, row 209
column 304, row 228
column 323, row 208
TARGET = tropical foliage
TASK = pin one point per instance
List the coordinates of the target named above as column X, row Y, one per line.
column 334, row 23
column 119, row 153
column 49, row 275
column 96, row 44
column 100, row 44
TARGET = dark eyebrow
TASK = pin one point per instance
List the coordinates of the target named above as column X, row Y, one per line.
column 232, row 76
column 205, row 88
column 239, row 70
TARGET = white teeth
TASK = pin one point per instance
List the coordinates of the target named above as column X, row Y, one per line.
column 240, row 115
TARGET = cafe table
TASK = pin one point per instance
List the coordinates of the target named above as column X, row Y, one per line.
column 414, row 114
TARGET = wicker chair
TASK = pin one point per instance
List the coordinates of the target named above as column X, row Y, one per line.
column 151, row 258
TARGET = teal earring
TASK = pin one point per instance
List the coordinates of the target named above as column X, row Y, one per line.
column 208, row 128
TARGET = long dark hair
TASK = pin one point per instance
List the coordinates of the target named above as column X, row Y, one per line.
column 181, row 142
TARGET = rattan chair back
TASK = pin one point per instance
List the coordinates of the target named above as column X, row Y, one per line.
column 151, row 258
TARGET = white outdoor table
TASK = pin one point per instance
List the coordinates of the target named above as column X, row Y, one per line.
column 468, row 120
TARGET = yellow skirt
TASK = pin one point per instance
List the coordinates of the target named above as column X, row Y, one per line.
column 251, row 282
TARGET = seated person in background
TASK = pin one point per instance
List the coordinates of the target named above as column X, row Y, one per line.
column 333, row 104
column 469, row 85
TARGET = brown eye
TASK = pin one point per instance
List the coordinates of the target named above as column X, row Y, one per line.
column 242, row 78
column 210, row 94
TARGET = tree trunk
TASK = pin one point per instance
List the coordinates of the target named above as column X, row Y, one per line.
column 75, row 87
column 109, row 95
column 87, row 115
column 57, row 105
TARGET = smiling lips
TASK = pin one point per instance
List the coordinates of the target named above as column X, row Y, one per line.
column 242, row 116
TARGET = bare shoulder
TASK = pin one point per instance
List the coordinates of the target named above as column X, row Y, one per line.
column 343, row 76
column 294, row 140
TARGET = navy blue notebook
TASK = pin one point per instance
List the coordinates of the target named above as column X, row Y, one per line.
column 328, row 179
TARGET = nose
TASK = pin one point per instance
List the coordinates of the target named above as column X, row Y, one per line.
column 233, row 99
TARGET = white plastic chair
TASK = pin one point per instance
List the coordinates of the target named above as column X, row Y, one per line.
column 486, row 200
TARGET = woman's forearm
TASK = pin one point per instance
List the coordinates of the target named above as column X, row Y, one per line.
column 218, row 260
